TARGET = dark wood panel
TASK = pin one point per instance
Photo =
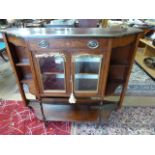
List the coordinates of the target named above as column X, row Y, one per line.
column 67, row 112
column 119, row 64
column 117, row 72
column 71, row 32
column 121, row 55
column 123, row 41
column 21, row 54
column 24, row 73
column 17, row 41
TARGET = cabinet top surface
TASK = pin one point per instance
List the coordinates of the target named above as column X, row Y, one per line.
column 70, row 32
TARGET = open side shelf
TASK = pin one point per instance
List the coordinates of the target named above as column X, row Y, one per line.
column 148, row 51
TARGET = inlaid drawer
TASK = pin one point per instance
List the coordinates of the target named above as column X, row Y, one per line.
column 46, row 44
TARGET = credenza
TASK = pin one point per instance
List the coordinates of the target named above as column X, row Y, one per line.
column 75, row 74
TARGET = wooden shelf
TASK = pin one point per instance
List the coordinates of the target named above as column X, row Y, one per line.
column 27, row 79
column 86, row 73
column 22, row 64
column 49, row 73
column 67, row 112
column 147, row 42
column 139, row 59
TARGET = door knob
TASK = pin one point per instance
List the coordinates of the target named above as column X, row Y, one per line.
column 43, row 44
column 93, row 44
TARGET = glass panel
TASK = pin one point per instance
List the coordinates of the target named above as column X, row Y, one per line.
column 86, row 82
column 53, row 82
column 87, row 64
column 52, row 68
column 52, row 64
column 87, row 70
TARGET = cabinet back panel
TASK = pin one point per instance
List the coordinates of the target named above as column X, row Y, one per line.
column 19, row 54
column 121, row 55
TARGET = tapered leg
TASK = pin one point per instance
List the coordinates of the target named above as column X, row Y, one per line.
column 43, row 115
column 100, row 115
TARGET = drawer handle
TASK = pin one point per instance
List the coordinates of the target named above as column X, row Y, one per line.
column 43, row 44
column 93, row 44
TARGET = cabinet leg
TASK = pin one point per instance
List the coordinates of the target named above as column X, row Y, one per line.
column 43, row 115
column 100, row 116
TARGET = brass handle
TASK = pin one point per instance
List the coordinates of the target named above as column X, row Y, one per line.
column 93, row 44
column 43, row 44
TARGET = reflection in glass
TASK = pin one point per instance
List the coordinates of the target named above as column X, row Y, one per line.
column 52, row 68
column 86, row 82
column 87, row 64
column 53, row 82
column 51, row 64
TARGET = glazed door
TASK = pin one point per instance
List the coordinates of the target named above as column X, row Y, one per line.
column 86, row 73
column 51, row 72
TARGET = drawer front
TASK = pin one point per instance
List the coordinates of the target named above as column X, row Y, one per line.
column 46, row 44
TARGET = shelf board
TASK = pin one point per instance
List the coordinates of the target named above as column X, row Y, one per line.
column 66, row 112
column 86, row 76
column 26, row 80
column 22, row 64
column 139, row 59
column 86, row 73
column 49, row 73
column 147, row 42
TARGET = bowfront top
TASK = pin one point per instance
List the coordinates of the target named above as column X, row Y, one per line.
column 70, row 32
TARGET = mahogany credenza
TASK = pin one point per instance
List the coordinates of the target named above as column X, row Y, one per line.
column 76, row 74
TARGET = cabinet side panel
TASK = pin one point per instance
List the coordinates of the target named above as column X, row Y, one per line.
column 12, row 59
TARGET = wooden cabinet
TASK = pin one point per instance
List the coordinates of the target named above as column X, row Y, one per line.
column 75, row 71
column 70, row 66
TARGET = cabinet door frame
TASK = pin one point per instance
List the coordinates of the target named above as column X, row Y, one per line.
column 95, row 52
column 53, row 52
